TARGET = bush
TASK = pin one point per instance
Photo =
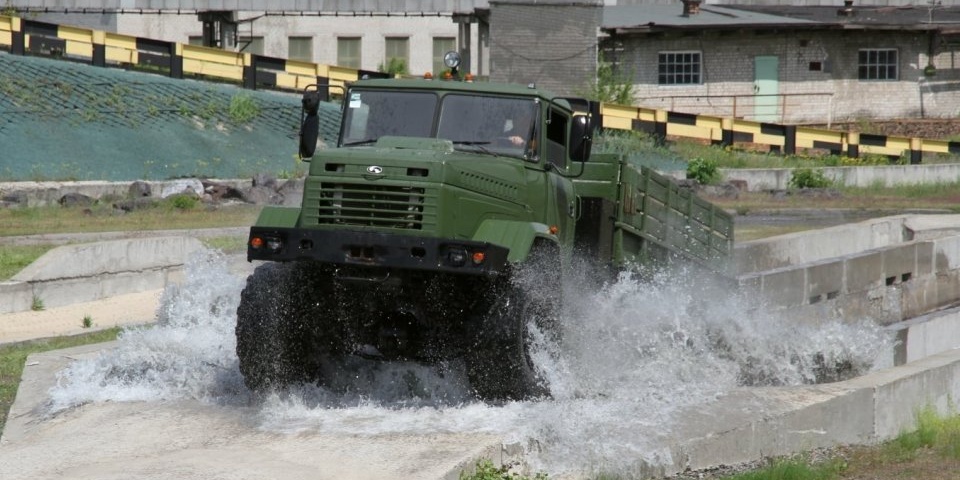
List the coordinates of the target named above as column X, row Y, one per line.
column 809, row 178
column 243, row 108
column 182, row 201
column 394, row 66
column 704, row 171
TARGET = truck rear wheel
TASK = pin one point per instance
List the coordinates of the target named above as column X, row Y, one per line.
column 270, row 334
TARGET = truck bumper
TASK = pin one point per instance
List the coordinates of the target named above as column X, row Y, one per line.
column 375, row 249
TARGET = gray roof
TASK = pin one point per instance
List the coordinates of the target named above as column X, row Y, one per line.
column 913, row 17
column 651, row 18
column 671, row 16
column 379, row 6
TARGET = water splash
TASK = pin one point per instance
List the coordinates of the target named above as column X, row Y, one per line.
column 634, row 354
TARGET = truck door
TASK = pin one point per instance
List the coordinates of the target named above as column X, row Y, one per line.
column 560, row 192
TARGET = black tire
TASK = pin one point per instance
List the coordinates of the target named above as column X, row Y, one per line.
column 499, row 363
column 271, row 343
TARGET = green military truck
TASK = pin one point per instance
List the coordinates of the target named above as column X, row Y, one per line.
column 438, row 228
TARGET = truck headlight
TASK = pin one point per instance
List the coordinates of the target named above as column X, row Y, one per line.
column 271, row 243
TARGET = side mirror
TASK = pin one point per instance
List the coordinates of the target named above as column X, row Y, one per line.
column 581, row 137
column 310, row 123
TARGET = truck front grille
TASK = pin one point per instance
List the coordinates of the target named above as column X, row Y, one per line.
column 370, row 205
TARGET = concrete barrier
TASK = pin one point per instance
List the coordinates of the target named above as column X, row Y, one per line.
column 751, row 424
column 927, row 335
column 82, row 273
column 831, row 242
column 898, row 278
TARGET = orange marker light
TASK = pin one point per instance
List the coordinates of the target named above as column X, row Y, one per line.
column 553, row 229
column 256, row 242
column 428, row 76
column 478, row 257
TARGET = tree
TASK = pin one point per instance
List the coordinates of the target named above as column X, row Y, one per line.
column 611, row 85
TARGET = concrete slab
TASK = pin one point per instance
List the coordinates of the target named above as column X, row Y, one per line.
column 189, row 440
column 120, row 310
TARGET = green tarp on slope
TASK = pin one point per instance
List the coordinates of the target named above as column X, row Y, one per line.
column 61, row 120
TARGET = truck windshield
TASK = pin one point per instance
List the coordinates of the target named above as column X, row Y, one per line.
column 371, row 114
column 498, row 125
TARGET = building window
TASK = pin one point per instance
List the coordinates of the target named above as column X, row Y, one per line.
column 195, row 40
column 877, row 64
column 348, row 52
column 396, row 55
column 442, row 45
column 300, row 48
column 678, row 68
column 252, row 45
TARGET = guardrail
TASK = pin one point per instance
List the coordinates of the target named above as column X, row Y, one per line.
column 788, row 139
column 177, row 60
column 21, row 36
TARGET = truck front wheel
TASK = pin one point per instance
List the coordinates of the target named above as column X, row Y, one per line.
column 270, row 332
column 499, row 361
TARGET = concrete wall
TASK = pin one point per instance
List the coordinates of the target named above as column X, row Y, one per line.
column 827, row 243
column 759, row 179
column 753, row 424
column 552, row 43
column 86, row 272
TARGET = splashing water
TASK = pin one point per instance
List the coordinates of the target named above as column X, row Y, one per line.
column 633, row 355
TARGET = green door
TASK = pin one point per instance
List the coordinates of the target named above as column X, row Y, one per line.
column 766, row 88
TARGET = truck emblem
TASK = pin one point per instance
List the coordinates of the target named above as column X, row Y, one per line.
column 374, row 169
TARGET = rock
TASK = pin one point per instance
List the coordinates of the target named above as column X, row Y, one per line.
column 74, row 199
column 739, row 184
column 689, row 184
column 15, row 199
column 140, row 189
column 264, row 180
column 819, row 193
column 132, row 204
column 180, row 186
column 724, row 190
column 262, row 196
column 218, row 191
column 292, row 192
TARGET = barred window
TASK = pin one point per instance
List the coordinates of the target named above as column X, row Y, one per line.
column 877, row 64
column 300, row 48
column 678, row 68
column 348, row 52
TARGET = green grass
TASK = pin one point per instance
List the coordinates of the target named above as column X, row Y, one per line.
column 795, row 469
column 104, row 218
column 226, row 244
column 13, row 357
column 14, row 258
column 485, row 470
column 906, row 456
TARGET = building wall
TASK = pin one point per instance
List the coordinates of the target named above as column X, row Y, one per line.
column 552, row 44
column 807, row 96
column 275, row 31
